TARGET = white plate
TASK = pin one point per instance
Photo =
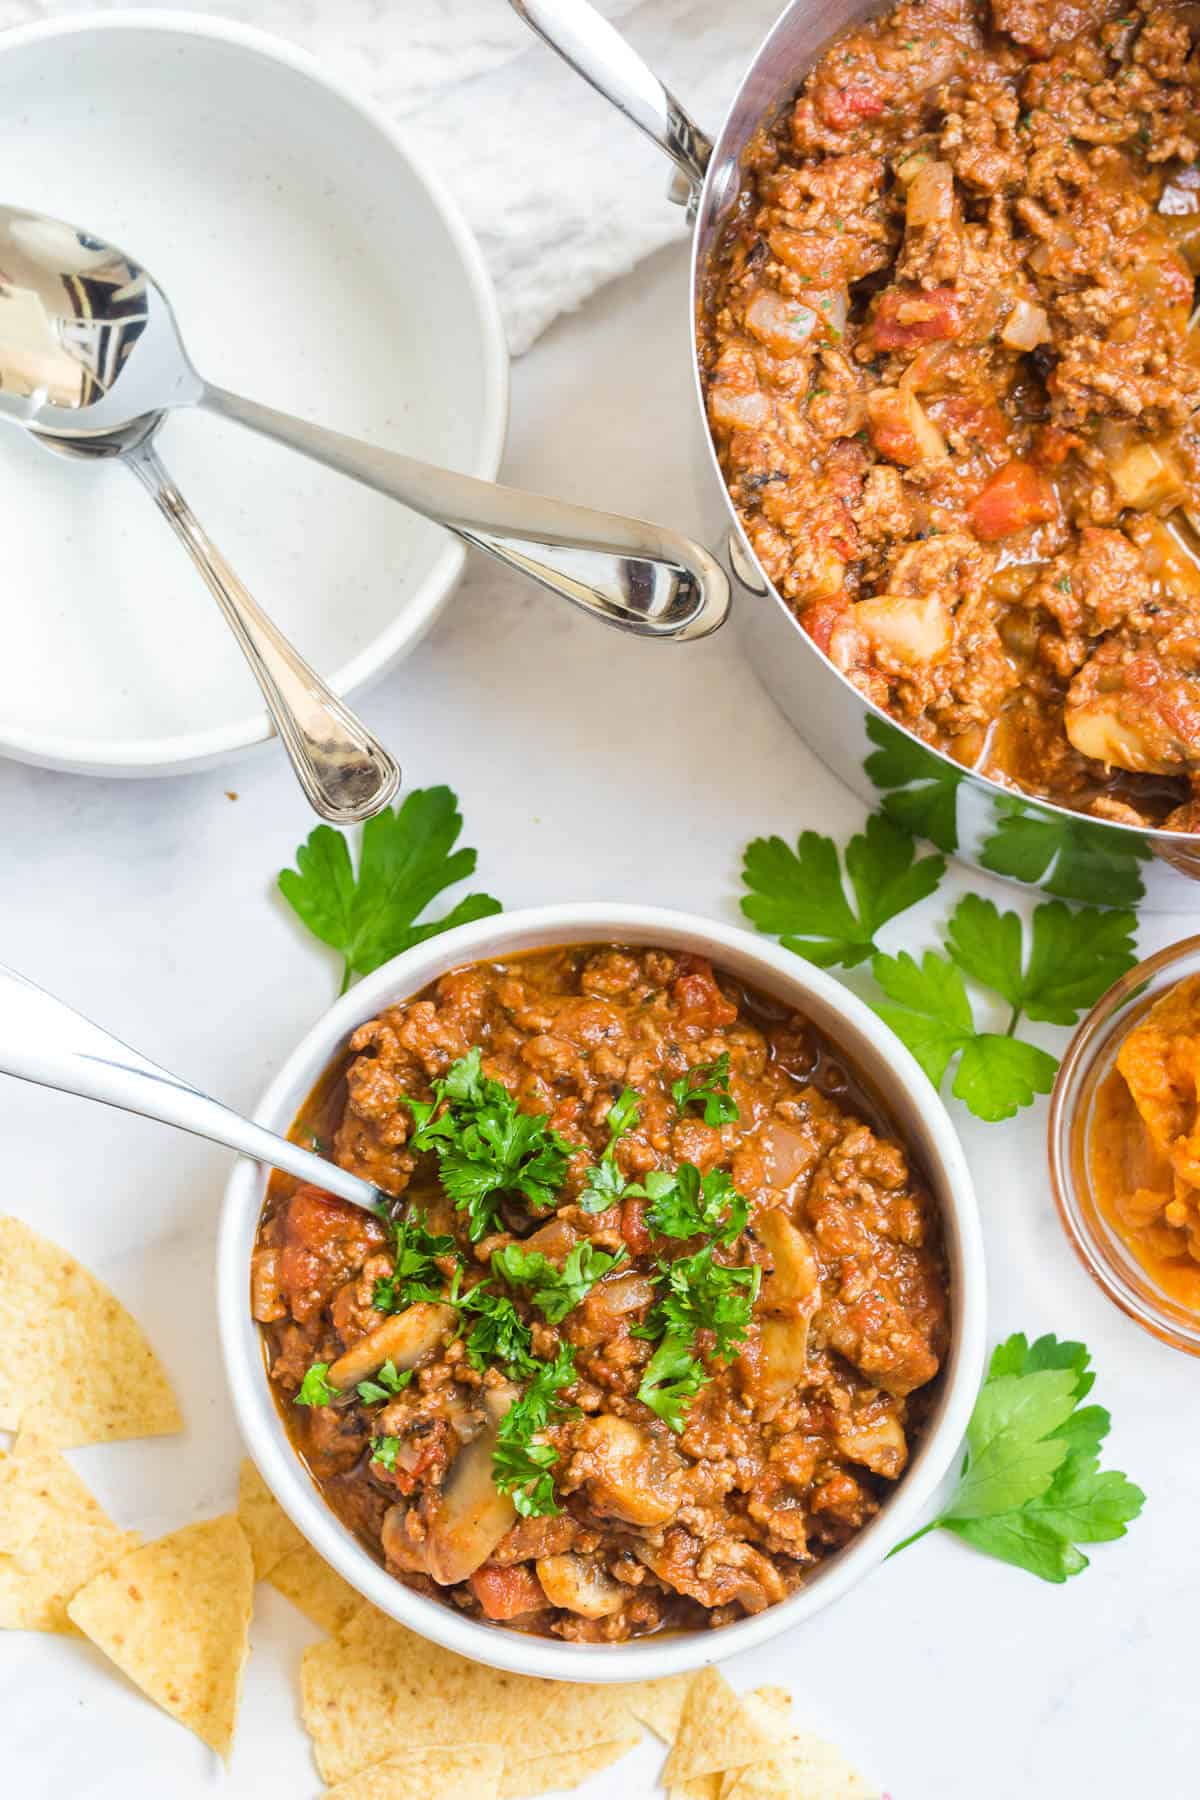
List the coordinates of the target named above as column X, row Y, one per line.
column 313, row 266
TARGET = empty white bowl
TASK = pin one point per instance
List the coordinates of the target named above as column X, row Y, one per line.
column 314, row 265
column 922, row 1123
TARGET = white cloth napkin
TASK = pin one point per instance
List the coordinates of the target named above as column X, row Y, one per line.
column 562, row 192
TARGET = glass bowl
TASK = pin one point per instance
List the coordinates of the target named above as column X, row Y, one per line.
column 1088, row 1060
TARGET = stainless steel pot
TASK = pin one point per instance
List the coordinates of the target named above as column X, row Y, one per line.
column 993, row 827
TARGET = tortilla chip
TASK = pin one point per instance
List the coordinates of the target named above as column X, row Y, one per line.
column 70, row 1342
column 272, row 1534
column 469, row 1773
column 380, row 1691
column 700, row 1787
column 548, row 1774
column 721, row 1731
column 658, row 1704
column 54, row 1536
column 811, row 1770
column 307, row 1580
column 175, row 1617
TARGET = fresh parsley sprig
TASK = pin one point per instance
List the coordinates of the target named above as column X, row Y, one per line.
column 707, row 1086
column 1031, row 1488
column 1073, row 958
column 486, row 1146
column 315, row 1390
column 604, row 1185
column 416, row 1274
column 521, row 1466
column 798, row 895
column 406, row 859
column 697, row 1294
column 387, row 1383
column 685, row 1204
column 555, row 1292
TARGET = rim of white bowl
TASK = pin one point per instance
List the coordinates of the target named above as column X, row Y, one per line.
column 192, row 751
column 867, row 1041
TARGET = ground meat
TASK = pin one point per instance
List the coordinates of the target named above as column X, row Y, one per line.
column 948, row 331
column 792, row 1441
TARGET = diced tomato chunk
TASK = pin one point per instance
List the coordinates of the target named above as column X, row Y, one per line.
column 638, row 1241
column 1052, row 446
column 699, row 999
column 507, row 1593
column 1015, row 497
column 325, row 1240
column 908, row 315
column 842, row 107
column 819, row 620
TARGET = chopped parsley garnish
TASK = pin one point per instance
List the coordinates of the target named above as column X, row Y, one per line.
column 707, row 1086
column 520, row 1466
column 485, row 1145
column 799, row 897
column 499, row 1334
column 314, row 1390
column 406, row 859
column 387, row 1382
column 416, row 1274
column 384, row 1451
column 604, row 1185
column 1031, row 1488
column 686, row 1204
column 555, row 1292
column 698, row 1294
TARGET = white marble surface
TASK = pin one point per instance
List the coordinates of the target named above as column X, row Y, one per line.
column 588, row 766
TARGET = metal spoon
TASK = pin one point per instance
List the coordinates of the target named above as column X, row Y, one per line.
column 345, row 772
column 45, row 1041
column 89, row 347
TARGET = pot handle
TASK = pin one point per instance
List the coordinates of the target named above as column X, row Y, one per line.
column 598, row 52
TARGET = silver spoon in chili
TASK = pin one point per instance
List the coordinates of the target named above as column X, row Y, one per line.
column 45, row 1041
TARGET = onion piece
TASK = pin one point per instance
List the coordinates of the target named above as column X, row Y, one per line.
column 1026, row 326
column 930, row 198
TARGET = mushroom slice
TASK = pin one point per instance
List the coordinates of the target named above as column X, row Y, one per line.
column 471, row 1515
column 402, row 1339
column 628, row 1474
column 580, row 1585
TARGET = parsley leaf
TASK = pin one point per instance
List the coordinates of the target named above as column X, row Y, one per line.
column 416, row 1275
column 1067, row 856
column 499, row 1335
column 604, row 1185
column 932, row 1015
column 673, row 1377
column 1074, row 957
column 1032, row 1489
column 699, row 1294
column 384, row 1451
column 520, row 1466
column 799, row 896
column 707, row 1085
column 407, row 858
column 555, row 1292
column 388, row 1381
column 486, row 1146
column 924, row 796
column 314, row 1390
column 685, row 1204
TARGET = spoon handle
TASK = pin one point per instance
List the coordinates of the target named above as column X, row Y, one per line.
column 345, row 772
column 45, row 1041
column 640, row 577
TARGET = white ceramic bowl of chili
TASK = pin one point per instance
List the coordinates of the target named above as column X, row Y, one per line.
column 921, row 1122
